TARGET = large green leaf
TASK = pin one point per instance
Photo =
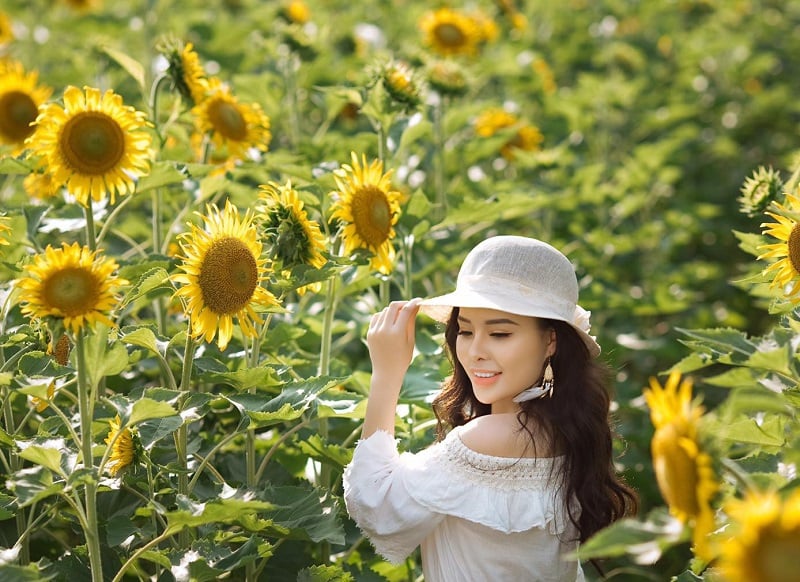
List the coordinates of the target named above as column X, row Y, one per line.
column 294, row 399
column 645, row 541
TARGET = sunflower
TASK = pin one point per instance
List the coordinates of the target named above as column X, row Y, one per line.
column 295, row 11
column 185, row 69
column 6, row 32
column 20, row 98
column 40, row 185
column 72, row 283
column 232, row 125
column 5, row 229
column 403, row 84
column 785, row 271
column 41, row 404
column 495, row 120
column 763, row 546
column 222, row 275
column 683, row 470
column 83, row 5
column 368, row 209
column 451, row 33
column 94, row 145
column 123, row 449
column 759, row 190
column 294, row 239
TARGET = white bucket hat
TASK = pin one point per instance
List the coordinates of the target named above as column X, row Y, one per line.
column 518, row 275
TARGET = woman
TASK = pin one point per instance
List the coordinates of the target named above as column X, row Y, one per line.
column 526, row 472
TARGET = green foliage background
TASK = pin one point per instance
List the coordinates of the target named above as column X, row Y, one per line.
column 662, row 109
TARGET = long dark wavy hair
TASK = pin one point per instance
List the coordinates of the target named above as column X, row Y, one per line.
column 575, row 420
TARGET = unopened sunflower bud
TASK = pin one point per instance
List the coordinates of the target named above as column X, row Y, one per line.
column 759, row 190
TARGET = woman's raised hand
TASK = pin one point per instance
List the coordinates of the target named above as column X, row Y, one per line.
column 390, row 339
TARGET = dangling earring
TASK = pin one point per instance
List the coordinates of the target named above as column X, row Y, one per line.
column 548, row 382
column 546, row 388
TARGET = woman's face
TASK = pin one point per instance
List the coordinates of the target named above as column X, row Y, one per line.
column 503, row 354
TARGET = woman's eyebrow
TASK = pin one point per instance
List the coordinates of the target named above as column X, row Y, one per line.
column 498, row 321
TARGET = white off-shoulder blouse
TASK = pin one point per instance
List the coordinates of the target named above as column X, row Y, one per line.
column 476, row 517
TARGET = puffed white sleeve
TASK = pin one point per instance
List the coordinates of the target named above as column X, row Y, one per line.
column 378, row 485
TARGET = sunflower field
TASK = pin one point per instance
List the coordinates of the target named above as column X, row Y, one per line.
column 203, row 203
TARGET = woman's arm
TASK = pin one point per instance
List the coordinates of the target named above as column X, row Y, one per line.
column 390, row 339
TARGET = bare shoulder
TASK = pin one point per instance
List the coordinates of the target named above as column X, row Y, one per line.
column 499, row 435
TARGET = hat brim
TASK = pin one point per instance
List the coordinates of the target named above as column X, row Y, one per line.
column 440, row 308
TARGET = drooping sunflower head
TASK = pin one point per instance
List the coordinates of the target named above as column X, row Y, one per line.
column 403, row 84
column 20, row 98
column 448, row 78
column 233, row 126
column 6, row 32
column 367, row 209
column 785, row 271
column 94, row 145
column 292, row 236
column 764, row 538
column 184, row 69
column 223, row 271
column 495, row 120
column 684, row 471
column 759, row 190
column 71, row 283
column 449, row 32
column 123, row 447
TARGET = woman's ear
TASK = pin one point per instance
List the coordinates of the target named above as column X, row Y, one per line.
column 552, row 342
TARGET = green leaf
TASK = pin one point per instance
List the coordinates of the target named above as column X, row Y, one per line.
column 33, row 484
column 37, row 364
column 48, row 457
column 132, row 66
column 152, row 431
column 142, row 337
column 162, row 174
column 261, row 376
column 319, row 450
column 9, row 165
column 722, row 340
column 293, row 400
column 154, row 279
column 104, row 358
column 321, row 573
column 147, row 409
column 29, row 573
column 645, row 541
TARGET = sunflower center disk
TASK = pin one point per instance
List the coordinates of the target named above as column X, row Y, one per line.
column 73, row 291
column 228, row 120
column 228, row 276
column 17, row 111
column 793, row 247
column 372, row 215
column 92, row 143
column 450, row 35
column 777, row 554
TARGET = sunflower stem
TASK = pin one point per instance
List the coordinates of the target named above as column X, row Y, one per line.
column 85, row 405
column 440, row 208
column 182, row 439
column 324, row 370
column 91, row 240
column 14, row 466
